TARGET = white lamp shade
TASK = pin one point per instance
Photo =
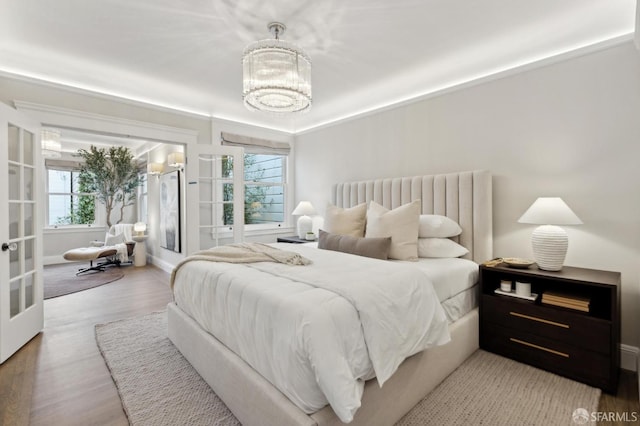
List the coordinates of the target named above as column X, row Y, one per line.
column 155, row 168
column 550, row 242
column 139, row 227
column 550, row 211
column 304, row 208
column 175, row 159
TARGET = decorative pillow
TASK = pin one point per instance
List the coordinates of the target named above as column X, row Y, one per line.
column 436, row 226
column 112, row 240
column 401, row 224
column 440, row 247
column 346, row 221
column 377, row 248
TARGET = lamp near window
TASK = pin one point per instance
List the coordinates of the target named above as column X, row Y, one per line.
column 139, row 228
column 549, row 241
column 305, row 224
column 176, row 159
column 155, row 169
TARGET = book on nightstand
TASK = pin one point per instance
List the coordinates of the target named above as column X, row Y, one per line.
column 566, row 301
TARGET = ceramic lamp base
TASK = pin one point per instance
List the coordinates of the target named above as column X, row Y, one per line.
column 550, row 245
column 305, row 224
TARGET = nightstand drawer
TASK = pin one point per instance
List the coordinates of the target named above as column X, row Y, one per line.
column 575, row 329
column 555, row 356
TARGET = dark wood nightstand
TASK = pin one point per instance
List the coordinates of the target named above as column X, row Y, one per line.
column 294, row 240
column 581, row 345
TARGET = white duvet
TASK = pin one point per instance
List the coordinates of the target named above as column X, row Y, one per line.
column 316, row 332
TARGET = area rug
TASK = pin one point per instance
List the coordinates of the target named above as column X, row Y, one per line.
column 61, row 279
column 158, row 386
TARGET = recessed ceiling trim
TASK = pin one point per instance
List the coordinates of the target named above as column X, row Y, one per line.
column 99, row 93
column 475, row 80
column 523, row 66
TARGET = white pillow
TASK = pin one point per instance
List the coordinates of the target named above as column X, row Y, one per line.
column 436, row 226
column 112, row 240
column 401, row 224
column 440, row 247
column 349, row 221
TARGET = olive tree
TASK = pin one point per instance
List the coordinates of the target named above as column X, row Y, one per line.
column 112, row 175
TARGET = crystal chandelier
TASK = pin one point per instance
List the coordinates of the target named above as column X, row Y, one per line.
column 276, row 75
column 51, row 145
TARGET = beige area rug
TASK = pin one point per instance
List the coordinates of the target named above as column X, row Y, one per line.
column 61, row 279
column 159, row 387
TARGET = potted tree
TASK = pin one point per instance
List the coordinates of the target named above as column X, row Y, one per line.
column 112, row 175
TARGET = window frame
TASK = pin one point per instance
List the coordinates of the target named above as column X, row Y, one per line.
column 282, row 146
column 283, row 184
column 99, row 220
column 143, row 194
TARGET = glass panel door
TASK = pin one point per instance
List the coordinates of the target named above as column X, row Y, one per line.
column 21, row 315
column 215, row 185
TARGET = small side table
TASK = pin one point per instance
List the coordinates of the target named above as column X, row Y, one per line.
column 140, row 250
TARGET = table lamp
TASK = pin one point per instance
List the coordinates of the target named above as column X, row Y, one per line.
column 305, row 224
column 139, row 228
column 549, row 241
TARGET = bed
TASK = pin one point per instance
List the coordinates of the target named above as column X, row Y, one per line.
column 464, row 197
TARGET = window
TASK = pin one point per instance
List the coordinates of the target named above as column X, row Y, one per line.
column 67, row 204
column 265, row 180
column 142, row 199
column 264, row 177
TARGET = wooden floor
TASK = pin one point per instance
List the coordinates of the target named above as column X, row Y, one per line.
column 60, row 378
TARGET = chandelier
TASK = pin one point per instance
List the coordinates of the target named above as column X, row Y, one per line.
column 51, row 146
column 276, row 75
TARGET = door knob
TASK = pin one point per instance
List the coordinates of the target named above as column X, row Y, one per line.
column 10, row 247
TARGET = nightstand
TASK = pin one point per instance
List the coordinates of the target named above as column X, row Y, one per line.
column 294, row 240
column 580, row 343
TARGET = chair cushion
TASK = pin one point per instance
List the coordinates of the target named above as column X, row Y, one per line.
column 89, row 253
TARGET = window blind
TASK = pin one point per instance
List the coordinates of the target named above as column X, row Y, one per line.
column 255, row 145
column 65, row 165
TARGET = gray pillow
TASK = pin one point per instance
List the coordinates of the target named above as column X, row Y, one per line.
column 377, row 248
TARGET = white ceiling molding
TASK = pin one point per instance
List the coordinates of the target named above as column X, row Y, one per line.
column 474, row 81
column 60, row 117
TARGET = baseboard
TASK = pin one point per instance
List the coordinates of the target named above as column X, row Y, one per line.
column 629, row 357
column 165, row 266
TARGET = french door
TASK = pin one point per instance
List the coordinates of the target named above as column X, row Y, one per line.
column 215, row 196
column 21, row 304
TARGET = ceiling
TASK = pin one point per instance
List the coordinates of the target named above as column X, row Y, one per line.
column 366, row 54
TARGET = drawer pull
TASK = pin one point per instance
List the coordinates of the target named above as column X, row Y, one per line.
column 557, row 324
column 542, row 348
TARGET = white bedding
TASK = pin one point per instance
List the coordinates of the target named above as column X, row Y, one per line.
column 450, row 276
column 454, row 280
column 298, row 326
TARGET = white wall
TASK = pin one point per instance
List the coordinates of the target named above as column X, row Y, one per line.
column 569, row 129
column 160, row 255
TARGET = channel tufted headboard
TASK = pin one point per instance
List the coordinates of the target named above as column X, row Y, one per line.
column 465, row 197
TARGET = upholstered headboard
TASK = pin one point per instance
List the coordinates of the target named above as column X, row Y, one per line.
column 465, row 197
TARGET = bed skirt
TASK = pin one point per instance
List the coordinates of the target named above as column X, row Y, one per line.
column 254, row 401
